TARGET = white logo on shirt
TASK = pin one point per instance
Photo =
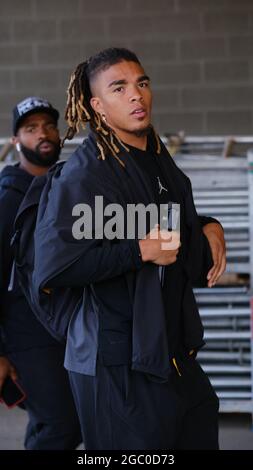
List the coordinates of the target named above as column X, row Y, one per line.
column 161, row 187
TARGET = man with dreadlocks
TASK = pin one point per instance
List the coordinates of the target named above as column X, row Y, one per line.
column 131, row 345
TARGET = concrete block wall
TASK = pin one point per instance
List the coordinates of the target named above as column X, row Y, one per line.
column 199, row 54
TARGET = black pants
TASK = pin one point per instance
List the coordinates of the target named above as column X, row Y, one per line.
column 120, row 409
column 53, row 421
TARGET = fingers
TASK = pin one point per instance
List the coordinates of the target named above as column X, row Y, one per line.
column 170, row 240
column 13, row 374
column 154, row 233
column 222, row 266
column 213, row 275
column 3, row 371
column 218, row 267
column 2, row 379
column 6, row 368
column 166, row 257
column 215, row 236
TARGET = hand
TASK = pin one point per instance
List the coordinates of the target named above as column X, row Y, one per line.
column 160, row 247
column 6, row 368
column 215, row 236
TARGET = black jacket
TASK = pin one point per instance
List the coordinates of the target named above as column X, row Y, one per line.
column 18, row 326
column 123, row 317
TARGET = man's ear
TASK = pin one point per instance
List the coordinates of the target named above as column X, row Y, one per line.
column 96, row 105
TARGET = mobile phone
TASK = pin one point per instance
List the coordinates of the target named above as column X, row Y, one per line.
column 12, row 393
column 170, row 222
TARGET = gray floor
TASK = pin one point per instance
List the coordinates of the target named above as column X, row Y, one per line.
column 12, row 425
column 235, row 430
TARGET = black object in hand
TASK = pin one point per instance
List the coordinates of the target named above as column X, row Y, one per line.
column 11, row 394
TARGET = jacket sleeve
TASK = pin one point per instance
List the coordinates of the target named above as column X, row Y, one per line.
column 8, row 209
column 199, row 257
column 99, row 263
column 62, row 259
column 208, row 220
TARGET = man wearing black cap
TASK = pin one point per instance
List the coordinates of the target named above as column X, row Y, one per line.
column 28, row 353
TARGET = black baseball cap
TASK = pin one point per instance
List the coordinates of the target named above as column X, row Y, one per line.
column 32, row 105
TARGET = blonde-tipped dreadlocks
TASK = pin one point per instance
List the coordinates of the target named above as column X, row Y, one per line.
column 79, row 111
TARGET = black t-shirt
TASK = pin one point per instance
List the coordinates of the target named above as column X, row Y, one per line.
column 148, row 162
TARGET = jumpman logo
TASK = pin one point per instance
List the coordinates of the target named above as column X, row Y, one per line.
column 161, row 187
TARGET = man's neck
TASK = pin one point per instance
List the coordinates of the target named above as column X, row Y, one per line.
column 138, row 141
column 32, row 169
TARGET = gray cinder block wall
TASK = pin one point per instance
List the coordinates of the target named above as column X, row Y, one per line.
column 199, row 54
